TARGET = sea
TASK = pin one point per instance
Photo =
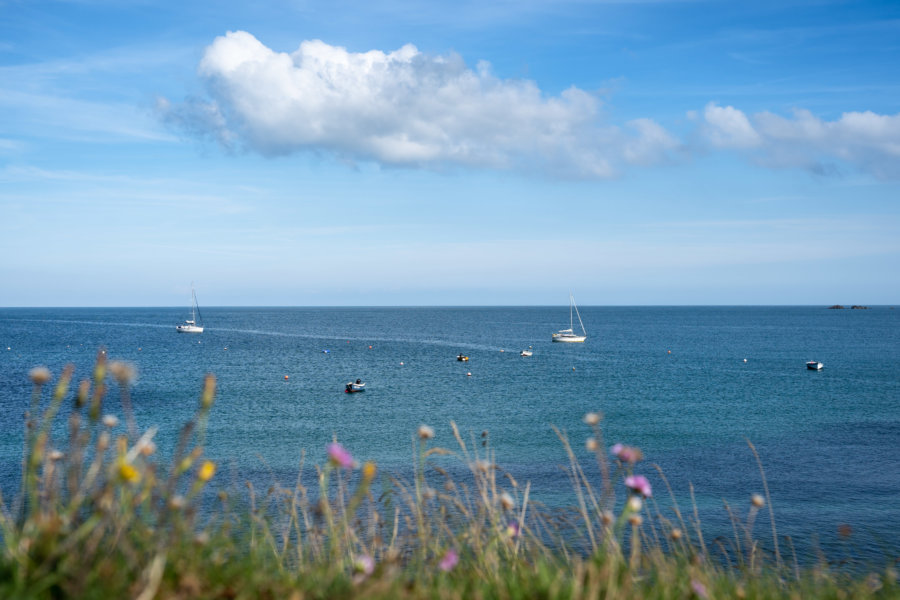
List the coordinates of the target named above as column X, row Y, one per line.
column 692, row 387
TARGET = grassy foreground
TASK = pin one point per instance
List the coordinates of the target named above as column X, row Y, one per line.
column 98, row 515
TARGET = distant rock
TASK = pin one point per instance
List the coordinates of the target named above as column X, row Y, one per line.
column 858, row 307
column 837, row 306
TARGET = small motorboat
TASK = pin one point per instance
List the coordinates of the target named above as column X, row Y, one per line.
column 354, row 386
column 526, row 352
column 814, row 365
column 462, row 358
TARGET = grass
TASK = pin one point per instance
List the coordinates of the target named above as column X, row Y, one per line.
column 100, row 515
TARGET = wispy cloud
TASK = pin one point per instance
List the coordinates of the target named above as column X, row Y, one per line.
column 405, row 108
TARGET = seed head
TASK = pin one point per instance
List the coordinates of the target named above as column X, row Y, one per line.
column 757, row 501
column 676, row 534
column 425, row 432
column 110, row 420
column 635, row 520
column 635, row 504
column 506, row 501
column 591, row 444
column 607, row 517
column 122, row 372
column 56, row 455
column 592, row 418
column 39, row 375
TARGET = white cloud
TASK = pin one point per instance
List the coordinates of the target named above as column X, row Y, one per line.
column 729, row 127
column 404, row 108
column 866, row 140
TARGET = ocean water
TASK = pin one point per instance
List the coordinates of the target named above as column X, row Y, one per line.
column 672, row 380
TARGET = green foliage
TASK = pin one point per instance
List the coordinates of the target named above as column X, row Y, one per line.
column 104, row 518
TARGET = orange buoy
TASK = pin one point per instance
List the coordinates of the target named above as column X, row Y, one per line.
column 285, row 377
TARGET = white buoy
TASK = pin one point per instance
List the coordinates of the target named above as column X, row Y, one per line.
column 469, row 374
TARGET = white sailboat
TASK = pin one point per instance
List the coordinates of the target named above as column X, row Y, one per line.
column 569, row 335
column 190, row 325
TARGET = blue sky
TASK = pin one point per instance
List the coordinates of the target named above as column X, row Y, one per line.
column 405, row 153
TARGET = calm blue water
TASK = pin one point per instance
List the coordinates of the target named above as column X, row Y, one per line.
column 671, row 380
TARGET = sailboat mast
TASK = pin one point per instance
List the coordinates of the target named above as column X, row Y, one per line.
column 571, row 306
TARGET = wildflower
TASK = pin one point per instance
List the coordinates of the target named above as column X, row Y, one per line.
column 607, row 517
column 207, row 470
column 512, row 530
column 123, row 372
column 506, row 501
column 176, row 502
column 639, row 484
column 128, row 473
column 39, row 375
column 757, row 501
column 450, row 559
column 627, row 454
column 364, row 564
column 148, row 448
column 425, row 432
column 202, row 538
column 635, row 520
column 56, row 455
column 592, row 418
column 368, row 471
column 339, row 457
column 699, row 589
column 676, row 534
column 635, row 504
column 483, row 465
column 429, row 494
column 110, row 420
column 591, row 444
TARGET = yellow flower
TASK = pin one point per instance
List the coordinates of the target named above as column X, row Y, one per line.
column 207, row 470
column 128, row 473
column 368, row 471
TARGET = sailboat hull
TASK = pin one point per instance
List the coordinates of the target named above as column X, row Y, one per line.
column 569, row 338
column 188, row 329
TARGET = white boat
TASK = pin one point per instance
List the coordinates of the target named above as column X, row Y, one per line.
column 526, row 352
column 190, row 325
column 569, row 335
column 355, row 386
column 814, row 365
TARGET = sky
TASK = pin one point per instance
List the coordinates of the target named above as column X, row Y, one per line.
column 300, row 153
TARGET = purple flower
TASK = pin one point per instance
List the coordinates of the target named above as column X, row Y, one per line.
column 339, row 457
column 699, row 589
column 639, row 484
column 449, row 561
column 512, row 530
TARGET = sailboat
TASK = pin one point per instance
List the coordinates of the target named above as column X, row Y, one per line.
column 190, row 325
column 569, row 335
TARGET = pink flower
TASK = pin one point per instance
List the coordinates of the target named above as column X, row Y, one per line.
column 627, row 454
column 339, row 457
column 699, row 589
column 449, row 561
column 639, row 484
column 364, row 564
